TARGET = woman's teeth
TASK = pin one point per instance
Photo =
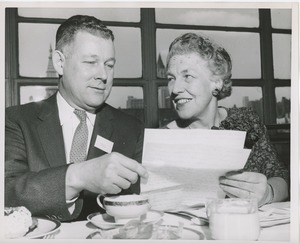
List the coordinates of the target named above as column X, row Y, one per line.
column 182, row 101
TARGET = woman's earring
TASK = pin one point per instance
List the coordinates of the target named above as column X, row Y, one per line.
column 216, row 92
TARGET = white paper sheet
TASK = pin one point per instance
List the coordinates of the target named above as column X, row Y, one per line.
column 223, row 138
column 185, row 165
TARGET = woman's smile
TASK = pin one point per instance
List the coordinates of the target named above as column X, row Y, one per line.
column 182, row 101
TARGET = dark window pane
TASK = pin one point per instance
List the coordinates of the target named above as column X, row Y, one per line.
column 243, row 48
column 211, row 16
column 35, row 93
column 282, row 56
column 111, row 14
column 281, row 18
column 129, row 100
column 283, row 105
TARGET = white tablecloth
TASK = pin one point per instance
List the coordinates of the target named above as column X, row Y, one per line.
column 81, row 229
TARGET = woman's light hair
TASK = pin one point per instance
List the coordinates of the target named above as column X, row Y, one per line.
column 218, row 60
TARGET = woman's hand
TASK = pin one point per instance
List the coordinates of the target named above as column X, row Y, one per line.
column 246, row 185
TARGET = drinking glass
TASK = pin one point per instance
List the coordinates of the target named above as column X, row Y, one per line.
column 233, row 219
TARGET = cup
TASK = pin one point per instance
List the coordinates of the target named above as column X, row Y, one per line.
column 233, row 219
column 124, row 207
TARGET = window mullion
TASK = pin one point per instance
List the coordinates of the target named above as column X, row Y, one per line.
column 269, row 97
column 149, row 65
column 11, row 55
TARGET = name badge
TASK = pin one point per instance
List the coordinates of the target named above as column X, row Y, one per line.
column 104, row 144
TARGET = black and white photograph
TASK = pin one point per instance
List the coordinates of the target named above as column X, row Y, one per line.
column 150, row 121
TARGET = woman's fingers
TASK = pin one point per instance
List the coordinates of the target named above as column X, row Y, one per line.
column 235, row 192
column 251, row 177
column 244, row 185
column 236, row 184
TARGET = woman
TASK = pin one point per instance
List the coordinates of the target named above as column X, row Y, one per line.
column 199, row 74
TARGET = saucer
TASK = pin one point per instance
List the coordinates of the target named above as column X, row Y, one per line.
column 105, row 221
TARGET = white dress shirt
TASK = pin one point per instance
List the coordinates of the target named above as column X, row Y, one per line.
column 69, row 122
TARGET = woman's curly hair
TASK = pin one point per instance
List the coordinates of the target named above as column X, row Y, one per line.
column 219, row 61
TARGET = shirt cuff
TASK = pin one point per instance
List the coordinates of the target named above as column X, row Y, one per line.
column 71, row 204
column 72, row 200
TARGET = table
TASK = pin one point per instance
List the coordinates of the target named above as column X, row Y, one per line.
column 81, row 229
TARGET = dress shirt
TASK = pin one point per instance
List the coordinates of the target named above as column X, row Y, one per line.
column 69, row 122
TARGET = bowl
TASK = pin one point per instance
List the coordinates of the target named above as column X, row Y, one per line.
column 124, row 207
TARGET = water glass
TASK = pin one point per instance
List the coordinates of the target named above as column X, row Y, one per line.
column 233, row 219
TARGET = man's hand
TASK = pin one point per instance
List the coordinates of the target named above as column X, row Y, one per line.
column 245, row 185
column 109, row 173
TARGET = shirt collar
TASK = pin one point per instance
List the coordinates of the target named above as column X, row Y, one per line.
column 66, row 112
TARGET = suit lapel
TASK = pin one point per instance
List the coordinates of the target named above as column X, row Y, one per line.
column 50, row 132
column 103, row 127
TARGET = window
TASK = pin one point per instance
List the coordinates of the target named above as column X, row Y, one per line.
column 281, row 18
column 36, row 47
column 105, row 14
column 258, row 40
column 37, row 78
column 239, row 45
column 282, row 56
column 208, row 17
column 246, row 35
column 32, row 93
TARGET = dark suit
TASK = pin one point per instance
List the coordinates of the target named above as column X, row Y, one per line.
column 35, row 163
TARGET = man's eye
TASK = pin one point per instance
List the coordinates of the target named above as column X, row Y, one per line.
column 109, row 65
column 90, row 62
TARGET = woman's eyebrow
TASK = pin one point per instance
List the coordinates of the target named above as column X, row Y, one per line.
column 184, row 71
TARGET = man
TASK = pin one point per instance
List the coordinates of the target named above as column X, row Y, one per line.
column 44, row 170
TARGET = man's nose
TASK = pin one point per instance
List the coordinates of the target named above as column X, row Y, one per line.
column 101, row 73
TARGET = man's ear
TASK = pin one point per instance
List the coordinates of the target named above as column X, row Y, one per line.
column 58, row 59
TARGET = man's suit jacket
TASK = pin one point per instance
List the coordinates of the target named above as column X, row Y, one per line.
column 35, row 163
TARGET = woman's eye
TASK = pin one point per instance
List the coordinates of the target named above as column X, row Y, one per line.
column 170, row 78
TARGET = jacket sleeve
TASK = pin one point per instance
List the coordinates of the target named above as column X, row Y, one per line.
column 29, row 180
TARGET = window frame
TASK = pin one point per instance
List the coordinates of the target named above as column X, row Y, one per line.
column 149, row 81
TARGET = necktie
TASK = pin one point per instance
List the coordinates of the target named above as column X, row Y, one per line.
column 80, row 139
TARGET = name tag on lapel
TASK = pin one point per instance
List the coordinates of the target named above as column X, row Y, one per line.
column 104, row 144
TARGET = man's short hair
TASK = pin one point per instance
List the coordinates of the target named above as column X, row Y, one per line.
column 67, row 30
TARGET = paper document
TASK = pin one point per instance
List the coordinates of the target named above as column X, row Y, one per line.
column 185, row 165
